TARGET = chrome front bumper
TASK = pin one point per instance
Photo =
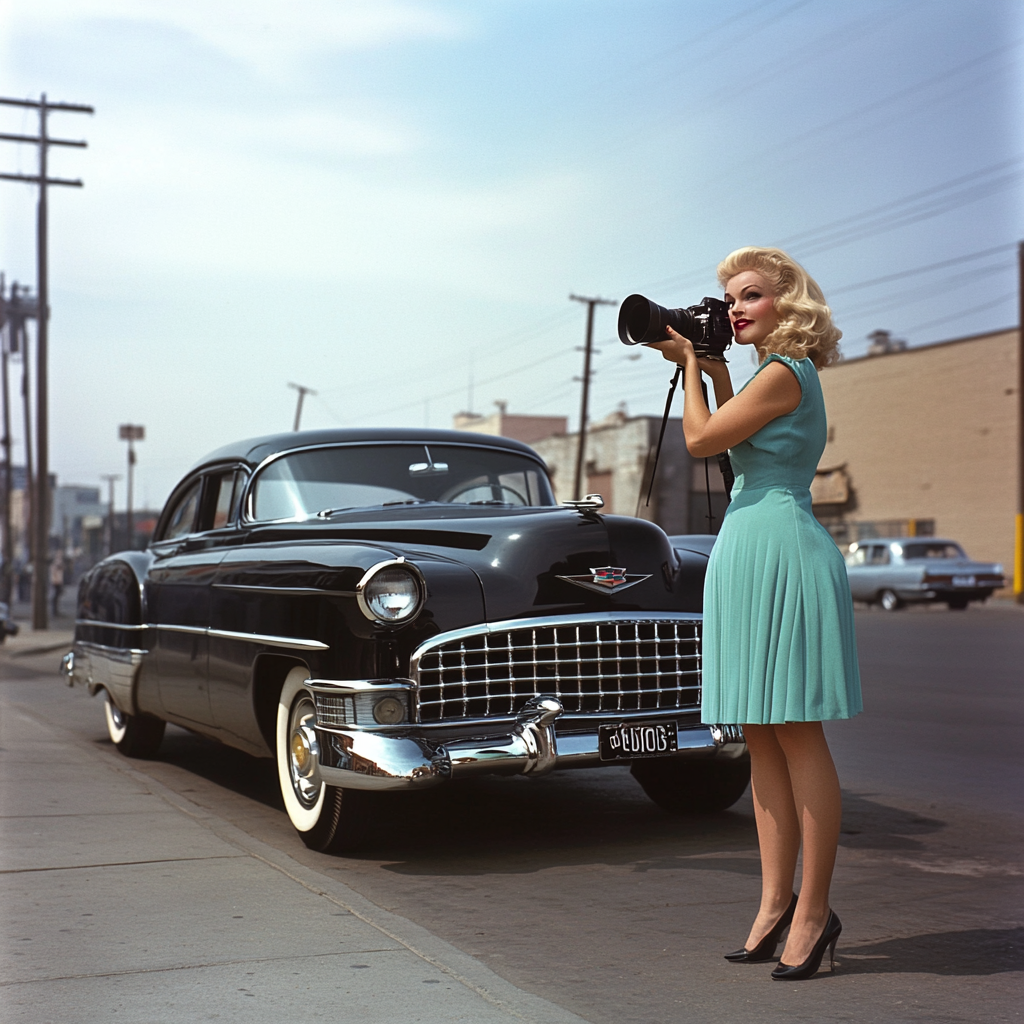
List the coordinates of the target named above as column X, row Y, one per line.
column 409, row 759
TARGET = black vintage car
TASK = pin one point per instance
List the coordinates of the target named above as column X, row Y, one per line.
column 385, row 609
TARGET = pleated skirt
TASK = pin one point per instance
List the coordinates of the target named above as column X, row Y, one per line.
column 778, row 640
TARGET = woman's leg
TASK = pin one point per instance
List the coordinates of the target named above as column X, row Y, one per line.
column 778, row 827
column 815, row 788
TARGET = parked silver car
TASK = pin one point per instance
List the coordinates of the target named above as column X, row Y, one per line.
column 894, row 572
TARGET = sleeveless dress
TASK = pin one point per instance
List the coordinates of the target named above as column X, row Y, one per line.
column 779, row 642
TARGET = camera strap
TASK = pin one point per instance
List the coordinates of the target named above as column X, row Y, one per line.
column 661, row 434
column 724, row 463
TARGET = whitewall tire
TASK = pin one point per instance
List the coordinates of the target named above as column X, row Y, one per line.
column 327, row 818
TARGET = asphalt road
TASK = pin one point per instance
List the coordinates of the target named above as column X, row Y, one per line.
column 575, row 888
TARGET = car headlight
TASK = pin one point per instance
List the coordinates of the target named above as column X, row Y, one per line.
column 390, row 592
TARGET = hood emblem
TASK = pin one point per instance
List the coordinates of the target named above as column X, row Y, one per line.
column 606, row 579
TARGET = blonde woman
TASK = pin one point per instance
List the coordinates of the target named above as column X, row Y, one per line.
column 779, row 649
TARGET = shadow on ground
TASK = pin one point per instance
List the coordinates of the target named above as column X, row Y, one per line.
column 979, row 951
column 569, row 817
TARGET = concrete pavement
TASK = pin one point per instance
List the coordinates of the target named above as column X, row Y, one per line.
column 574, row 887
column 122, row 900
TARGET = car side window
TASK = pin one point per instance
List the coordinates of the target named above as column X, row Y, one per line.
column 225, row 489
column 879, row 554
column 182, row 519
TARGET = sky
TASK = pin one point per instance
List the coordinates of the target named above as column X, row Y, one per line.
column 391, row 201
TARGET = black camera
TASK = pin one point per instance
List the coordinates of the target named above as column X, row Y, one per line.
column 707, row 326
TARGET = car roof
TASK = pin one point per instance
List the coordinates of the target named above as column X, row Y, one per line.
column 254, row 450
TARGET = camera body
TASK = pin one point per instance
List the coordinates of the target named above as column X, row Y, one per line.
column 706, row 325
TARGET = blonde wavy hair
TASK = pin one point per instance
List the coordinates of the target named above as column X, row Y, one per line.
column 805, row 329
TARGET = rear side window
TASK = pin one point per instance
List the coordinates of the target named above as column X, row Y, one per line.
column 225, row 489
column 182, row 519
column 880, row 554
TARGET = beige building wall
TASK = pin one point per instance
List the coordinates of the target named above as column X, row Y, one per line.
column 932, row 433
column 520, row 428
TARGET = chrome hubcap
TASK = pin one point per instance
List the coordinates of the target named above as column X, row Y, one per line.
column 303, row 753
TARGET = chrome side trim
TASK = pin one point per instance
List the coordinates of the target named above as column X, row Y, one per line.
column 110, row 625
column 296, row 643
column 265, row 640
column 292, row 591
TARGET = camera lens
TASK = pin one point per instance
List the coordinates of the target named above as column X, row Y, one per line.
column 642, row 321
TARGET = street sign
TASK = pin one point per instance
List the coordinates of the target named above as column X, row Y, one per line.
column 131, row 432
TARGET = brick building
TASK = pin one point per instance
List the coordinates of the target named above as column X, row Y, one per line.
column 925, row 440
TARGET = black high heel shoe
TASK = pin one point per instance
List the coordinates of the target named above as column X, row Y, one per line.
column 765, row 949
column 828, row 939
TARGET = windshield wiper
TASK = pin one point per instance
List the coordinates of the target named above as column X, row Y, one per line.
column 326, row 513
column 488, row 501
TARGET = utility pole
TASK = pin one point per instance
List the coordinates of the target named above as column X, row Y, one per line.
column 303, row 391
column 131, row 432
column 7, row 552
column 20, row 308
column 1018, row 547
column 108, row 540
column 41, row 498
column 577, row 484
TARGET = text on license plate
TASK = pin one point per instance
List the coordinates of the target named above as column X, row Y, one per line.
column 963, row 581
column 636, row 739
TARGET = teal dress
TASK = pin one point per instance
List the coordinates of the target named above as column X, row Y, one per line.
column 779, row 642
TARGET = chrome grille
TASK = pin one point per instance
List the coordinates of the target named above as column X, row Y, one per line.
column 596, row 667
column 331, row 710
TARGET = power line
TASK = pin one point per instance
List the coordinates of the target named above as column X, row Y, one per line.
column 907, row 298
column 849, row 223
column 921, row 270
column 875, row 106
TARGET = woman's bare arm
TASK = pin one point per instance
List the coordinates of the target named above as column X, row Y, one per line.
column 774, row 392
column 719, row 374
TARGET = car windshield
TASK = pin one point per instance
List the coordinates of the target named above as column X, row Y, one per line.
column 327, row 480
column 938, row 549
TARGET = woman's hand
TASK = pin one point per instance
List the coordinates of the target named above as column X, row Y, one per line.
column 677, row 349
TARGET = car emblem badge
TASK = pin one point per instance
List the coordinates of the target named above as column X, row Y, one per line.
column 605, row 579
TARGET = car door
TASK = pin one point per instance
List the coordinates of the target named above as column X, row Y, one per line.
column 178, row 599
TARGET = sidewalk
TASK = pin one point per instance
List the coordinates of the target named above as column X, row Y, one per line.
column 123, row 900
column 30, row 642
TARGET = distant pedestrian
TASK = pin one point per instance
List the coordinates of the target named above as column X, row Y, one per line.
column 57, row 581
column 779, row 652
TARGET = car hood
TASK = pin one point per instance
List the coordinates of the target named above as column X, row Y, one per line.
column 529, row 561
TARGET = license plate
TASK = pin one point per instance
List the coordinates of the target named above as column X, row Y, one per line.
column 627, row 740
column 963, row 581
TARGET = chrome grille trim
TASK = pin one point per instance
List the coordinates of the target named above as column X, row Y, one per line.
column 331, row 710
column 597, row 663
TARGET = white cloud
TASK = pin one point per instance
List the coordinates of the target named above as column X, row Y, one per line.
column 270, row 36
